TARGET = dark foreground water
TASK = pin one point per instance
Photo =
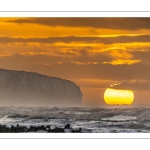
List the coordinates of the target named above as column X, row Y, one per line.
column 94, row 120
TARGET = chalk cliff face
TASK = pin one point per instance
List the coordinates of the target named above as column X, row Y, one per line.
column 28, row 88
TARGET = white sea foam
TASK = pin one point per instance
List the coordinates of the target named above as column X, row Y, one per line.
column 120, row 118
column 90, row 120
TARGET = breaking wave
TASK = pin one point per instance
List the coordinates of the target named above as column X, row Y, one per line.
column 89, row 119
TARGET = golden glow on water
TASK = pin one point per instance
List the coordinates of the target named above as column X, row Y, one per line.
column 118, row 96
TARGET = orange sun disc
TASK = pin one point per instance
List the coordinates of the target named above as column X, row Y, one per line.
column 118, row 96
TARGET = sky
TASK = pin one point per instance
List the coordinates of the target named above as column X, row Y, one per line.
column 95, row 53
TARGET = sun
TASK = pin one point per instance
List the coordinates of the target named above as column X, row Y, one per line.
column 118, row 96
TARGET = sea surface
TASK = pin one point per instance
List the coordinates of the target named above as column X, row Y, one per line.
column 91, row 120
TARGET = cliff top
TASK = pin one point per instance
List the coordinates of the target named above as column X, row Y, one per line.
column 36, row 73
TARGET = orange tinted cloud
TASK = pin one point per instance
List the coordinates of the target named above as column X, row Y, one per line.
column 111, row 23
column 93, row 52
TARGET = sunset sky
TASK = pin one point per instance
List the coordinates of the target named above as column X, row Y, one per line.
column 95, row 53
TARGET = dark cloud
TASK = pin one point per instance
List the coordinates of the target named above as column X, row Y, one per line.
column 68, row 69
column 52, row 59
column 142, row 55
column 95, row 22
column 133, row 86
column 103, row 71
column 69, row 39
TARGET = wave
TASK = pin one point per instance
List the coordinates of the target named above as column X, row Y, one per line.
column 90, row 119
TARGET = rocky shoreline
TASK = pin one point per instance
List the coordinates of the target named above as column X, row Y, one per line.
column 38, row 129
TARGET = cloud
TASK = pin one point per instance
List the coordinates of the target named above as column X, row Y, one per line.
column 80, row 57
column 69, row 39
column 143, row 55
column 122, row 61
column 54, row 54
column 72, row 68
column 94, row 22
column 133, row 86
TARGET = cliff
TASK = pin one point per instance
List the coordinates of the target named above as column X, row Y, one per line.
column 28, row 88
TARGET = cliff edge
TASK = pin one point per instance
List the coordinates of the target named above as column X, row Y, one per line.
column 29, row 88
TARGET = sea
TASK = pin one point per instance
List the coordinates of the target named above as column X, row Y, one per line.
column 91, row 120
